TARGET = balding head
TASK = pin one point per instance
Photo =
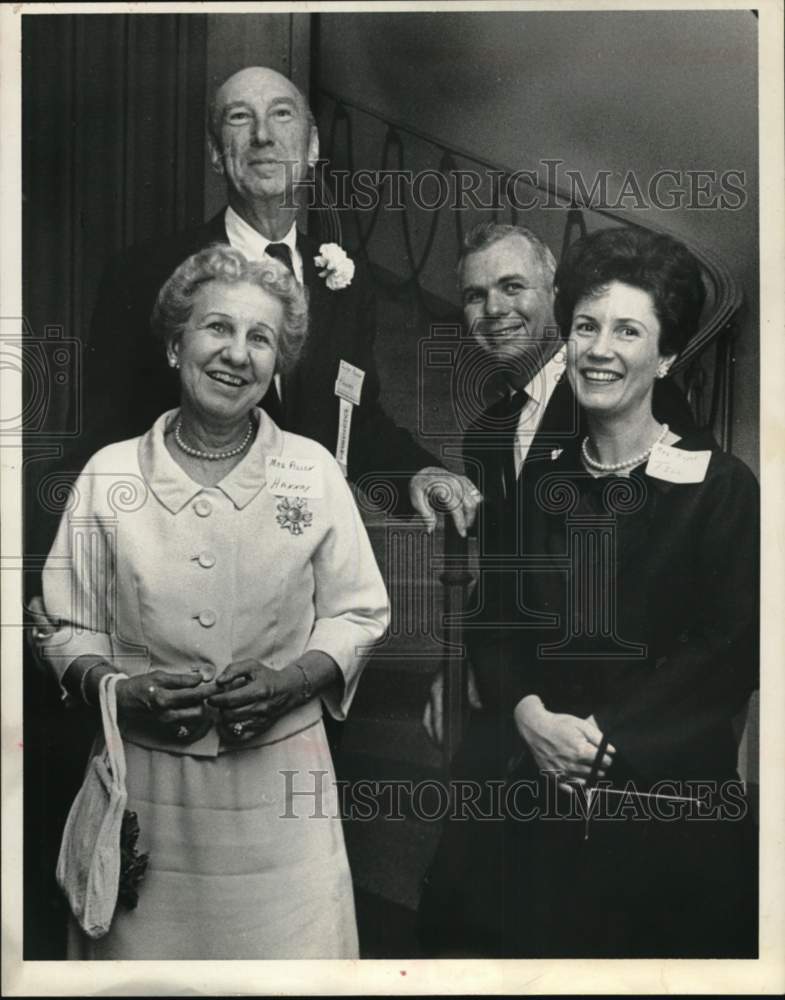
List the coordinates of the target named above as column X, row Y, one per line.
column 250, row 80
column 262, row 138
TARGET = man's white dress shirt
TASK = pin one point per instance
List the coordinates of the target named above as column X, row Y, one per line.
column 253, row 245
column 538, row 392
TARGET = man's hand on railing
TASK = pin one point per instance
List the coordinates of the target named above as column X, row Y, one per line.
column 434, row 490
column 433, row 716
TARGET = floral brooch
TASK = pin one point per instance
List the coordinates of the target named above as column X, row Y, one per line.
column 293, row 515
column 337, row 267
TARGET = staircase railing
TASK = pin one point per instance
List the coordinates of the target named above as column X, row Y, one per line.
column 707, row 378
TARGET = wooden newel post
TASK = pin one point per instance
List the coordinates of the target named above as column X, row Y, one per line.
column 455, row 580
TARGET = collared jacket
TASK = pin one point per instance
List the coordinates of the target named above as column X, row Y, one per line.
column 151, row 570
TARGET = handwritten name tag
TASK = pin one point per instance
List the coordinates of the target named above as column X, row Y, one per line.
column 675, row 465
column 294, row 477
column 349, row 384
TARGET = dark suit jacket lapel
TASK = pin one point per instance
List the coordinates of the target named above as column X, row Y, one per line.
column 321, row 306
column 216, row 228
column 560, row 423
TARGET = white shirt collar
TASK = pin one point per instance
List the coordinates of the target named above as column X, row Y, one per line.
column 253, row 245
column 541, row 386
column 539, row 392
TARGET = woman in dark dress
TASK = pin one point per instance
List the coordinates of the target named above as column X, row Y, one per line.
column 630, row 834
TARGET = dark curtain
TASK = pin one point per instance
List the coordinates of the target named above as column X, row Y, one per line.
column 113, row 139
column 113, row 153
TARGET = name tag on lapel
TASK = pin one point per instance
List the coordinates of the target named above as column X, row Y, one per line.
column 675, row 465
column 294, row 477
column 348, row 388
column 349, row 384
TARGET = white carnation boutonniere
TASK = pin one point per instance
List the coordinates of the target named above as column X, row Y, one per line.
column 337, row 267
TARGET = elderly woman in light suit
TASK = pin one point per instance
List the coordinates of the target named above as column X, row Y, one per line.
column 238, row 591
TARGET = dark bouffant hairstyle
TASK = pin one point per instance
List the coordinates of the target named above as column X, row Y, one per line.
column 653, row 262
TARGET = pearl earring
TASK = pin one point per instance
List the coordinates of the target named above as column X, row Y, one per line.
column 173, row 362
column 662, row 370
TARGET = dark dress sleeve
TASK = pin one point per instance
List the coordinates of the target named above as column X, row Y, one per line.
column 679, row 710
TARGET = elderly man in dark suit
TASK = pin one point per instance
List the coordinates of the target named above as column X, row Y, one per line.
column 262, row 141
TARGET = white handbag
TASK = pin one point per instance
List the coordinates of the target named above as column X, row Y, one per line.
column 88, row 868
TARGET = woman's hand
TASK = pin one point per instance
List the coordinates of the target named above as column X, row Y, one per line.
column 251, row 696
column 176, row 701
column 560, row 742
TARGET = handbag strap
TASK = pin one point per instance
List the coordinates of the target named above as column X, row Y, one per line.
column 107, row 699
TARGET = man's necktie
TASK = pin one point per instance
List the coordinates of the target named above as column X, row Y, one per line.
column 511, row 411
column 281, row 252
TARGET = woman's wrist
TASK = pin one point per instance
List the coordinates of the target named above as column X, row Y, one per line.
column 311, row 674
column 83, row 677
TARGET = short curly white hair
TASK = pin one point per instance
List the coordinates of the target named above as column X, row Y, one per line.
column 221, row 262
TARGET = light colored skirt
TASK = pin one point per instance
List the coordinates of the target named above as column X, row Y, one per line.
column 242, row 864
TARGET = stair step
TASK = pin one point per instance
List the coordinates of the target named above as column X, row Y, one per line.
column 387, row 929
column 390, row 739
column 416, row 666
column 390, row 693
column 389, row 858
column 358, row 766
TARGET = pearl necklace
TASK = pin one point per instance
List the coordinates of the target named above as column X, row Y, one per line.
column 630, row 463
column 213, row 456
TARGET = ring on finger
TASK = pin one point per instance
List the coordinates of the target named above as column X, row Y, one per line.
column 182, row 732
column 238, row 728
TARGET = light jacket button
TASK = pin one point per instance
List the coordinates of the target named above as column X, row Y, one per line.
column 207, row 618
column 206, row 560
column 203, row 508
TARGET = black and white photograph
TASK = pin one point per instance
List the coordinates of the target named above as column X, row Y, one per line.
column 392, row 446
